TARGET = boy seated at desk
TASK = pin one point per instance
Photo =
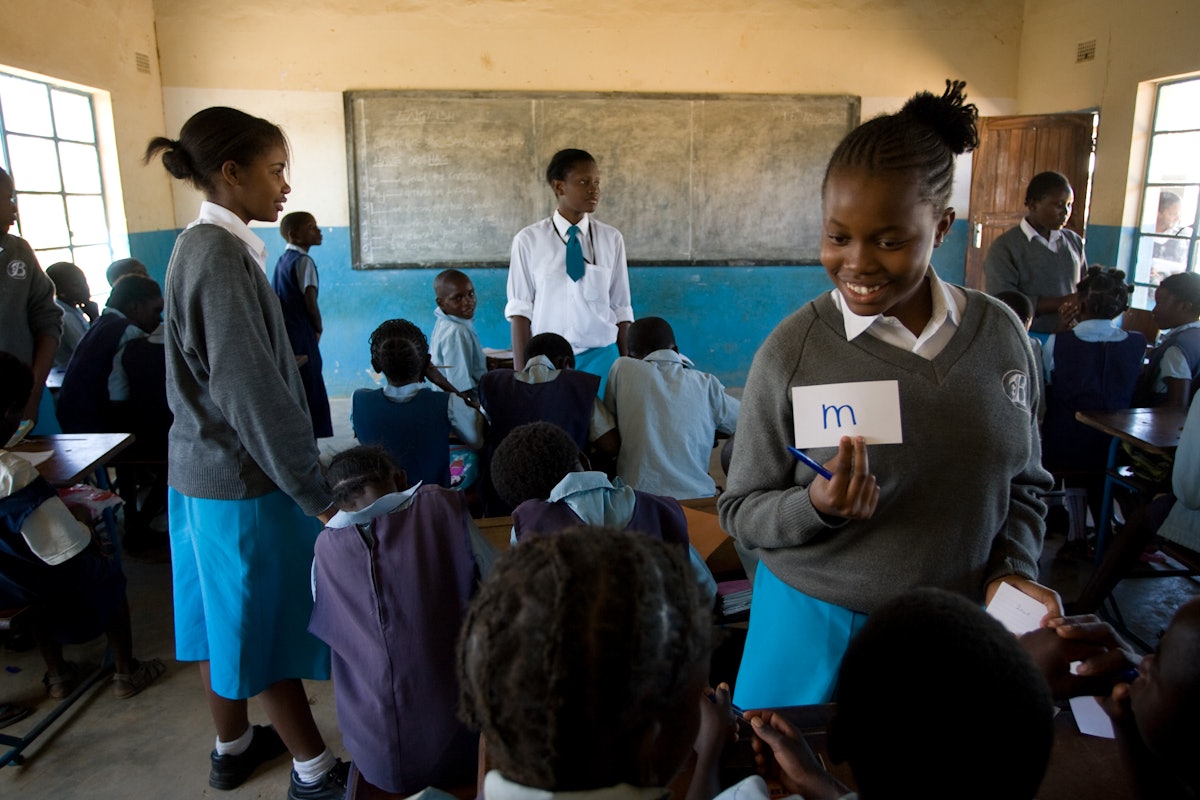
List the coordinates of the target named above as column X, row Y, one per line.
column 539, row 471
column 454, row 344
column 74, row 297
column 50, row 562
column 668, row 413
column 548, row 389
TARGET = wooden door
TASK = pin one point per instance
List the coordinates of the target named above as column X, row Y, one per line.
column 1011, row 151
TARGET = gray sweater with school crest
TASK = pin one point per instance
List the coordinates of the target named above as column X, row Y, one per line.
column 959, row 499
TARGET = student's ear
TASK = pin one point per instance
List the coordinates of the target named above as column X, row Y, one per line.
column 943, row 227
column 230, row 173
column 400, row 477
column 559, row 187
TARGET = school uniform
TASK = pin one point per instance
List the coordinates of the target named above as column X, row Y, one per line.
column 294, row 273
column 75, row 325
column 1176, row 356
column 584, row 312
column 1022, row 260
column 28, row 310
column 1182, row 524
column 95, row 377
column 668, row 413
column 454, row 345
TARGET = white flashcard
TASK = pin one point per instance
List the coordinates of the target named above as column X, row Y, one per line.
column 1091, row 717
column 1016, row 610
column 822, row 415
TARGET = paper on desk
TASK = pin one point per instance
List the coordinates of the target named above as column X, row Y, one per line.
column 1016, row 610
column 1090, row 717
column 34, row 457
column 823, row 414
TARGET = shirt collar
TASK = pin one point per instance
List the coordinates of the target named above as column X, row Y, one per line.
column 405, row 392
column 213, row 214
column 538, row 369
column 574, row 482
column 944, row 308
column 1032, row 234
column 112, row 312
column 561, row 224
column 437, row 312
column 384, row 505
column 297, row 248
column 666, row 354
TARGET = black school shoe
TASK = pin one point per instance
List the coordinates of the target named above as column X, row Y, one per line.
column 331, row 786
column 231, row 771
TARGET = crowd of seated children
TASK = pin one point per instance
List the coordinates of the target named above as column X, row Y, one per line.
column 49, row 561
column 412, row 422
column 454, row 344
column 1174, row 363
column 668, row 413
column 547, row 389
column 583, row 661
column 393, row 572
column 541, row 473
column 73, row 296
column 296, row 283
column 894, row 711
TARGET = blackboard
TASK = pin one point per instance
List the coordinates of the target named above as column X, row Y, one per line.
column 447, row 178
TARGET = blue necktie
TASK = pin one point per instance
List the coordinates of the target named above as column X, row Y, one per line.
column 574, row 254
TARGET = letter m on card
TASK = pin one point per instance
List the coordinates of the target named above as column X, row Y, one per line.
column 823, row 414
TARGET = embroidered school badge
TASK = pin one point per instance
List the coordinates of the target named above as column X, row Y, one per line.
column 18, row 270
column 1016, row 386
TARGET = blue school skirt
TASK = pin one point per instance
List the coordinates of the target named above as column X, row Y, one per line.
column 794, row 646
column 241, row 574
column 597, row 361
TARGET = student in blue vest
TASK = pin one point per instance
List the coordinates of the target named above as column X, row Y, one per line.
column 411, row 421
column 295, row 281
column 1175, row 362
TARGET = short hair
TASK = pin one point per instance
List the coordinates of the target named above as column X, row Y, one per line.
column 923, row 138
column 1020, row 304
column 212, row 137
column 399, row 350
column 122, row 267
column 1103, row 292
column 564, row 161
column 895, row 707
column 291, row 223
column 16, row 382
column 1167, row 199
column 1044, row 183
column 131, row 290
column 1184, row 287
column 553, row 347
column 531, row 460
column 575, row 646
column 647, row 335
column 64, row 271
column 351, row 471
column 446, row 276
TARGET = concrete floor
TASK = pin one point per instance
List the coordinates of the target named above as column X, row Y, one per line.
column 157, row 744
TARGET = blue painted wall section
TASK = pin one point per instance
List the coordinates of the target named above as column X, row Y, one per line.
column 720, row 314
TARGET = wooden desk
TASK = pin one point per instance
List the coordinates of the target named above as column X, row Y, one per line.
column 76, row 455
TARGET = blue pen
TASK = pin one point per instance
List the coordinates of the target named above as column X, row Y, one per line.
column 808, row 462
column 1130, row 675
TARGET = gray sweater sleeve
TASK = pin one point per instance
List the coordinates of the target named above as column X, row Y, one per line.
column 1001, row 266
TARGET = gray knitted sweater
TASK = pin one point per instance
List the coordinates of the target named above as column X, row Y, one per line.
column 1014, row 263
column 241, row 426
column 958, row 501
column 27, row 308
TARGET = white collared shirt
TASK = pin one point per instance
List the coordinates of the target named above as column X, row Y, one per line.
column 1174, row 363
column 949, row 302
column 213, row 214
column 1053, row 244
column 308, row 269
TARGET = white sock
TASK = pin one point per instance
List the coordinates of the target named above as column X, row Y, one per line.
column 314, row 769
column 238, row 745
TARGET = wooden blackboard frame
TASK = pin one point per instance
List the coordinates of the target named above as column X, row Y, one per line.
column 749, row 164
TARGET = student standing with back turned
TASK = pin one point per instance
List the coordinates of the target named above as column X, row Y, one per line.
column 567, row 274
column 947, row 512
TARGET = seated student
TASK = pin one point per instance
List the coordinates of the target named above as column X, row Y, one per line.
column 668, row 413
column 1175, row 362
column 893, row 711
column 548, row 389
column 454, row 343
column 540, row 472
column 122, row 267
column 1022, row 306
column 73, row 295
column 583, row 662
column 412, row 422
column 95, row 377
column 393, row 572
column 48, row 560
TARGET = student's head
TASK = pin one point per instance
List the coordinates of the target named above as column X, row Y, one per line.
column 885, row 201
column 16, row 382
column 300, row 228
column 122, row 267
column 904, row 683
column 531, row 460
column 70, row 284
column 553, row 347
column 582, row 660
column 1169, row 206
column 649, row 334
column 400, row 351
column 455, row 293
column 1177, row 300
column 1165, row 697
column 575, row 179
column 1048, row 199
column 8, row 202
column 237, row 160
column 1103, row 293
column 140, row 299
column 1020, row 304
column 361, row 475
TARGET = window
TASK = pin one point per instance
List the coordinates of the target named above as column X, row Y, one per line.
column 1166, row 241
column 48, row 144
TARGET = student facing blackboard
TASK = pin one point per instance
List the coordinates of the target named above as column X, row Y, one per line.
column 567, row 273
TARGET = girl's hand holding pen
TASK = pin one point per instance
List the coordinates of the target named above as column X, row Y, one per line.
column 852, row 492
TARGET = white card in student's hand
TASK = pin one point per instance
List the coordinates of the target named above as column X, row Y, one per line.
column 823, row 414
column 1016, row 610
